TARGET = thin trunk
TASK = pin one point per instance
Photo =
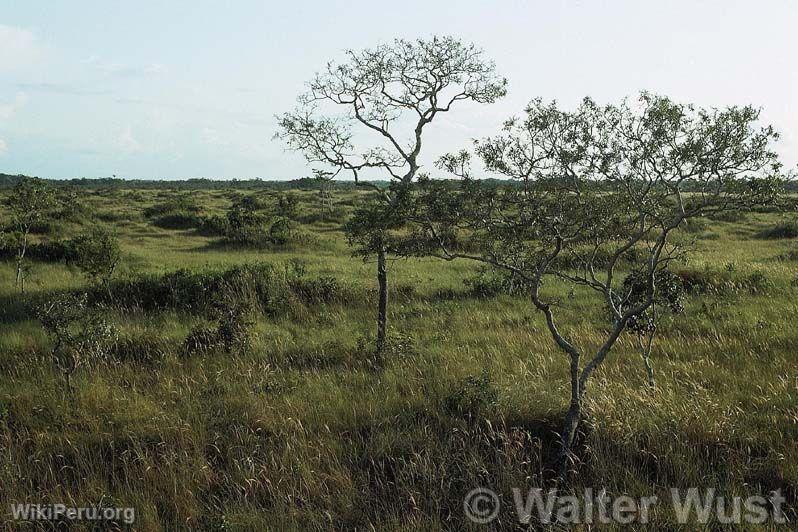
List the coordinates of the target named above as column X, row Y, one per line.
column 20, row 263
column 645, row 353
column 571, row 425
column 382, row 307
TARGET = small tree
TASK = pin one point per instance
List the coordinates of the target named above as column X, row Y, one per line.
column 245, row 225
column 96, row 253
column 594, row 197
column 31, row 202
column 79, row 335
column 351, row 118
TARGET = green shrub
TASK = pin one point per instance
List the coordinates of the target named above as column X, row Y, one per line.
column 96, row 253
column 80, row 335
column 489, row 282
column 788, row 229
column 471, row 397
column 700, row 282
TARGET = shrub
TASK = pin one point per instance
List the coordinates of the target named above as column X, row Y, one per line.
column 287, row 205
column 231, row 328
column 142, row 349
column 177, row 220
column 323, row 289
column 787, row 229
column 201, row 340
column 79, row 334
column 179, row 212
column 723, row 282
column 96, row 253
column 177, row 204
column 490, row 283
column 50, row 251
column 280, row 231
column 245, row 226
column 791, row 255
column 471, row 397
column 215, row 225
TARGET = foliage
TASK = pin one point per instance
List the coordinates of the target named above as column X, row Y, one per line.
column 80, row 335
column 471, row 397
column 593, row 184
column 788, row 229
column 96, row 253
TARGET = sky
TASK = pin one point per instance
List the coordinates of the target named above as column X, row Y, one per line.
column 181, row 89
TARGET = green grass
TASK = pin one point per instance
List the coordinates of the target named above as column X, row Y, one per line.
column 305, row 432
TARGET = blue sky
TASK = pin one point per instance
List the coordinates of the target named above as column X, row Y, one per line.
column 154, row 89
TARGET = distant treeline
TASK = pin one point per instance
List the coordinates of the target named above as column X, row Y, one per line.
column 305, row 183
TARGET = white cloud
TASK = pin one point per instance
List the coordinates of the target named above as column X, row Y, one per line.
column 116, row 69
column 19, row 46
column 212, row 137
column 3, row 147
column 7, row 110
column 126, row 142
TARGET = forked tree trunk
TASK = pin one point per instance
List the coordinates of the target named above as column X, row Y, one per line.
column 382, row 306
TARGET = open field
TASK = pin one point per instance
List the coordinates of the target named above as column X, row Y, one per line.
column 305, row 429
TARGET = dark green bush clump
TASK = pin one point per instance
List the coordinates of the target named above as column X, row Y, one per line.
column 271, row 288
column 490, row 283
column 700, row 282
column 180, row 212
column 787, row 229
column 50, row 251
column 471, row 397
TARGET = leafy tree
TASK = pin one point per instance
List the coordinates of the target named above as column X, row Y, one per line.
column 96, row 252
column 352, row 117
column 589, row 189
column 287, row 206
column 245, row 225
column 31, row 202
column 79, row 334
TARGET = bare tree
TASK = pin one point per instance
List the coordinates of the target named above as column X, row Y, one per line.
column 369, row 114
column 594, row 198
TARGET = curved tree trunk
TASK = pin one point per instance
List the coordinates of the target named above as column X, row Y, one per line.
column 382, row 306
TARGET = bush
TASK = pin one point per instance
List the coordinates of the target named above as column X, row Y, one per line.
column 143, row 349
column 791, row 255
column 323, row 289
column 180, row 212
column 489, row 282
column 79, row 334
column 231, row 329
column 245, row 226
column 723, row 282
column 201, row 340
column 215, row 225
column 280, row 231
column 177, row 220
column 471, row 397
column 96, row 253
column 787, row 229
column 50, row 251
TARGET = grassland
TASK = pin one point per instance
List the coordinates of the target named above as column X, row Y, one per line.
column 306, row 431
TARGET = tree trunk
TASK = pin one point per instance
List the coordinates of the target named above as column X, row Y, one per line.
column 382, row 306
column 571, row 424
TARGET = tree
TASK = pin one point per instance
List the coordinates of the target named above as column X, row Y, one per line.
column 80, row 335
column 594, row 198
column 96, row 252
column 369, row 115
column 31, row 202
